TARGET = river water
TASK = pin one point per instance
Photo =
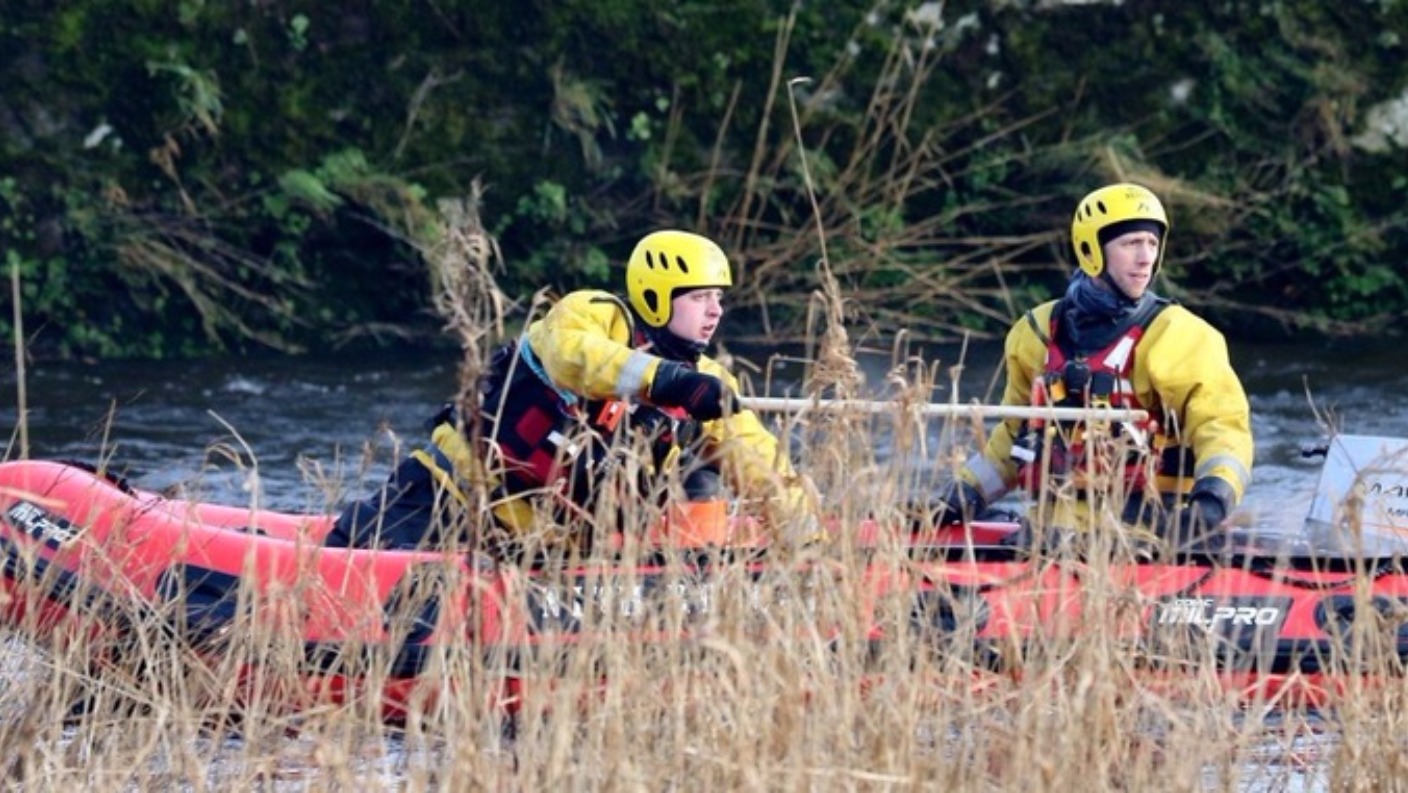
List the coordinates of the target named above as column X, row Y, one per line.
column 233, row 429
column 208, row 427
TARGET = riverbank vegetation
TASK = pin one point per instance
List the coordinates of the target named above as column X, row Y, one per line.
column 177, row 179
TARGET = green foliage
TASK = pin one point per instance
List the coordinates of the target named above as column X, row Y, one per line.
column 182, row 177
column 197, row 95
column 307, row 188
column 561, row 221
column 1243, row 114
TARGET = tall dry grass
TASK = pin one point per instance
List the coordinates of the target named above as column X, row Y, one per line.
column 780, row 685
column 782, row 682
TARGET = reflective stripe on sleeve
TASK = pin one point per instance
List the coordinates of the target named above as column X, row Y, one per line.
column 989, row 478
column 1225, row 461
column 631, row 381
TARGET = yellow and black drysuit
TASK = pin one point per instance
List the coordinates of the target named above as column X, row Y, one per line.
column 552, row 402
column 1163, row 359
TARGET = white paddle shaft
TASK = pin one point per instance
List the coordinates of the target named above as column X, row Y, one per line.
column 933, row 410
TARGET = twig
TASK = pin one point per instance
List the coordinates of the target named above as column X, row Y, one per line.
column 20, row 396
column 432, row 81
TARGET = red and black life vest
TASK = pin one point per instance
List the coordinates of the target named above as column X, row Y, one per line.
column 551, row 438
column 1098, row 378
column 533, row 425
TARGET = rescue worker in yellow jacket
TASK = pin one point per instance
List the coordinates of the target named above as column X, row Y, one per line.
column 1111, row 341
column 565, row 401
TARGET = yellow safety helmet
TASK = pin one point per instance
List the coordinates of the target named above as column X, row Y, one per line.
column 1127, row 205
column 665, row 262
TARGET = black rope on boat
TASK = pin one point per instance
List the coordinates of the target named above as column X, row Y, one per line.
column 120, row 482
column 1270, row 571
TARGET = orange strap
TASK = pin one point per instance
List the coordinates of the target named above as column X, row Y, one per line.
column 610, row 414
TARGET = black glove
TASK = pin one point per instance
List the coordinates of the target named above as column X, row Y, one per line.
column 675, row 385
column 1201, row 518
column 1204, row 513
column 960, row 501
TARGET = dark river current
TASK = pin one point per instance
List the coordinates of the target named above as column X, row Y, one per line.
column 230, row 429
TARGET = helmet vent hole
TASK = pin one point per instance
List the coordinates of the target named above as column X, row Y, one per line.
column 650, row 260
column 1103, row 210
column 680, row 263
column 1085, row 249
column 652, row 301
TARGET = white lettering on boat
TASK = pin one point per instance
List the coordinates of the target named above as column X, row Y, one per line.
column 37, row 523
column 563, row 607
column 1207, row 612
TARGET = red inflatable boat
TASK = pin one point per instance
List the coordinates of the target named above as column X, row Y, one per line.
column 84, row 554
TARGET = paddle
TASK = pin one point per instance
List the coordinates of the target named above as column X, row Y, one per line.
column 933, row 410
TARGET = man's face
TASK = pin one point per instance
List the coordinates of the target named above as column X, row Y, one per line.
column 695, row 315
column 1130, row 259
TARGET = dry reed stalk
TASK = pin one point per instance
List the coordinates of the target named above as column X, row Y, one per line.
column 21, row 402
column 780, row 687
column 886, row 167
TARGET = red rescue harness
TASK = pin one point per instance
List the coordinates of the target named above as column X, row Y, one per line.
column 541, row 432
column 534, row 425
column 1129, row 454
